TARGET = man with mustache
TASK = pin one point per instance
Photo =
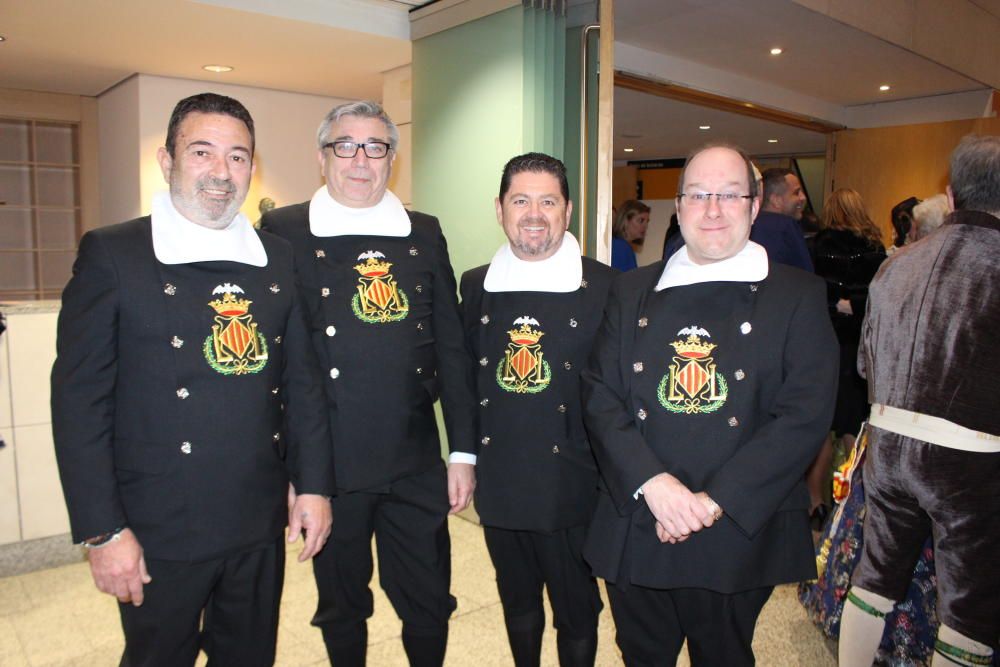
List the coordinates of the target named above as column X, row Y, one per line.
column 187, row 409
column 380, row 295
column 530, row 319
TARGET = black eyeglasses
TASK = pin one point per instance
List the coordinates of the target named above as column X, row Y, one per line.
column 373, row 149
column 723, row 198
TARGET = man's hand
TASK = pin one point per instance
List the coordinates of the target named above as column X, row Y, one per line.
column 461, row 484
column 844, row 307
column 312, row 514
column 712, row 507
column 119, row 568
column 677, row 511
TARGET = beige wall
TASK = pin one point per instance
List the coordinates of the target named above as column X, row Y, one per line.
column 118, row 145
column 888, row 164
column 397, row 99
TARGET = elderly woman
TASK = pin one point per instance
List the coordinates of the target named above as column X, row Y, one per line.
column 629, row 230
column 928, row 216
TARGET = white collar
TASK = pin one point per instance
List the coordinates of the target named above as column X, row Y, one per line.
column 562, row 272
column 748, row 265
column 328, row 217
column 177, row 240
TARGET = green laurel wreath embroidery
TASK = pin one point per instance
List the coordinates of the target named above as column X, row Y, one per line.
column 242, row 366
column 383, row 315
column 692, row 405
column 523, row 386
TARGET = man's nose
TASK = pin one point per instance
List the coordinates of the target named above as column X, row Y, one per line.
column 360, row 158
column 220, row 169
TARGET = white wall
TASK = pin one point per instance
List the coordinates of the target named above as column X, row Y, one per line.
column 118, row 152
column 660, row 211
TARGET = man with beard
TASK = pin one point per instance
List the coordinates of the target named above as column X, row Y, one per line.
column 380, row 294
column 530, row 319
column 709, row 391
column 181, row 339
column 776, row 226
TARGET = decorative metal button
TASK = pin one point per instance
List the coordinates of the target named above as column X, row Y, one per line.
column 561, row 408
column 275, row 288
column 331, row 330
column 420, row 326
column 555, row 449
column 733, row 421
column 484, row 361
column 185, row 447
column 413, row 252
column 169, row 289
column 276, row 437
column 485, row 440
column 484, row 402
column 753, row 287
column 334, row 373
column 642, row 414
column 643, row 322
column 739, row 374
column 183, row 393
column 277, row 340
column 324, row 292
column 745, row 328
column 177, row 342
column 572, row 322
column 637, row 367
column 583, row 284
column 320, row 254
column 419, row 288
column 275, row 391
column 567, row 365
column 485, row 319
column 420, row 371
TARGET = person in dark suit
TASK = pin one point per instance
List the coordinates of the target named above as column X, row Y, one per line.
column 709, row 391
column 181, row 338
column 530, row 318
column 381, row 300
column 777, row 225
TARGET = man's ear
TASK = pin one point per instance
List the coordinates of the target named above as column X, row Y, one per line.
column 166, row 162
column 496, row 203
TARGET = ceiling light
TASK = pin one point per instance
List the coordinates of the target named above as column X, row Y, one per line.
column 776, row 51
column 772, row 141
column 704, row 127
column 218, row 69
column 2, row 38
column 629, row 150
column 884, row 87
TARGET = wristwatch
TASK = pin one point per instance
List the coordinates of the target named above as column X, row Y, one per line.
column 103, row 539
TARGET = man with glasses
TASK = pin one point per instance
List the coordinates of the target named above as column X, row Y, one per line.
column 708, row 393
column 381, row 300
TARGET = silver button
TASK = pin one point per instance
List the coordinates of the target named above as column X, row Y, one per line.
column 637, row 367
column 745, row 328
column 484, row 402
column 177, row 342
column 276, row 437
column 485, row 319
column 413, row 252
column 567, row 365
column 484, row 361
column 583, row 284
column 643, row 322
column 277, row 340
column 561, row 408
column 275, row 288
column 739, row 374
column 420, row 326
column 331, row 330
column 183, row 393
column 733, row 421
column 555, row 449
column 169, row 289
column 420, row 371
column 753, row 288
column 324, row 292
column 275, row 391
column 320, row 254
column 185, row 447
column 572, row 322
column 335, row 373
column 485, row 440
column 419, row 288
column 642, row 414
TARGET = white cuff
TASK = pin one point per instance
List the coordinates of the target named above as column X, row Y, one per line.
column 462, row 457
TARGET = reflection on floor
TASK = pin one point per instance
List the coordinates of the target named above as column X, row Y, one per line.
column 57, row 618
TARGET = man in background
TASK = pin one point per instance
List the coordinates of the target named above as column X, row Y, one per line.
column 776, row 226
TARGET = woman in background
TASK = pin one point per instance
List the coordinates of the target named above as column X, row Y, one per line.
column 629, row 230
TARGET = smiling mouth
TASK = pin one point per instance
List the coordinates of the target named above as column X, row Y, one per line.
column 217, row 193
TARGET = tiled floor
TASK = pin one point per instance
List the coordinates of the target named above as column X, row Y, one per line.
column 56, row 618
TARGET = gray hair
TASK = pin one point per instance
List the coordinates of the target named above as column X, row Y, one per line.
column 362, row 109
column 930, row 213
column 975, row 174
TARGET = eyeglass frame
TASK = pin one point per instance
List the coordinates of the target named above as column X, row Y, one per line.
column 359, row 145
column 731, row 197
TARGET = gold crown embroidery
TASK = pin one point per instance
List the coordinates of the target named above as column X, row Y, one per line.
column 523, row 369
column 693, row 384
column 379, row 298
column 235, row 346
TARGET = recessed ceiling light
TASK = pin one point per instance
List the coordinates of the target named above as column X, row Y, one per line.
column 772, row 141
column 704, row 127
column 884, row 87
column 2, row 38
column 776, row 51
column 629, row 150
column 218, row 69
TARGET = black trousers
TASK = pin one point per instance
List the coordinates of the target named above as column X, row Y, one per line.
column 240, row 596
column 653, row 624
column 409, row 523
column 526, row 561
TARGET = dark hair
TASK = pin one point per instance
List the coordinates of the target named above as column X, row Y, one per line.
column 536, row 162
column 902, row 219
column 207, row 103
column 751, row 179
column 630, row 209
column 975, row 174
column 774, row 181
